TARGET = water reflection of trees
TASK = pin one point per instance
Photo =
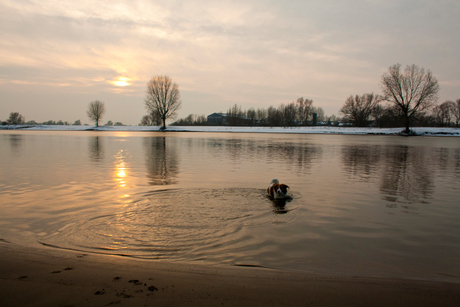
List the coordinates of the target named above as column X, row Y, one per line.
column 407, row 174
column 16, row 142
column 162, row 160
column 96, row 149
column 298, row 154
column 457, row 163
column 302, row 156
column 361, row 160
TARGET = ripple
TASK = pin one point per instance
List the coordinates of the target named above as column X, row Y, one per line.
column 174, row 223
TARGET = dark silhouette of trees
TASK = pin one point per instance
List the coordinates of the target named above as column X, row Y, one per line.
column 235, row 116
column 378, row 114
column 262, row 116
column 96, row 110
column 289, row 114
column 15, row 119
column 192, row 120
column 320, row 116
column 413, row 91
column 274, row 117
column 457, row 112
column 152, row 119
column 163, row 98
column 358, row 109
column 444, row 113
column 304, row 110
column 251, row 115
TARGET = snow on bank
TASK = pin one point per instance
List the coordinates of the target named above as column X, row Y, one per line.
column 306, row 130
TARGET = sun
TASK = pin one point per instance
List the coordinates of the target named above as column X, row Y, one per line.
column 121, row 81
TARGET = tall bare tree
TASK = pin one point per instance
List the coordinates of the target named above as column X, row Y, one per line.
column 289, row 113
column 152, row 119
column 235, row 116
column 304, row 110
column 251, row 115
column 274, row 117
column 163, row 98
column 320, row 115
column 262, row 116
column 412, row 91
column 358, row 109
column 457, row 112
column 96, row 110
column 444, row 112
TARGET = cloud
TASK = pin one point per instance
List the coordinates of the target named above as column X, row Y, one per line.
column 255, row 53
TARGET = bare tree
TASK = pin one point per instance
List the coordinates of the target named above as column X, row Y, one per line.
column 163, row 98
column 192, row 120
column 96, row 109
column 358, row 109
column 412, row 91
column 262, row 116
column 274, row 117
column 444, row 112
column 15, row 119
column 288, row 113
column 201, row 120
column 251, row 116
column 378, row 113
column 235, row 116
column 457, row 112
column 304, row 110
column 152, row 119
column 320, row 115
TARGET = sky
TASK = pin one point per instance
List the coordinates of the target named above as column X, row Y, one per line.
column 58, row 56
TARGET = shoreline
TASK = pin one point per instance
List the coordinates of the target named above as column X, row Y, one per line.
column 419, row 131
column 32, row 276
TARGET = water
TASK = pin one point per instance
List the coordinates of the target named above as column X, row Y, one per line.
column 363, row 205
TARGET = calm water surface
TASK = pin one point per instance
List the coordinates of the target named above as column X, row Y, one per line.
column 363, row 205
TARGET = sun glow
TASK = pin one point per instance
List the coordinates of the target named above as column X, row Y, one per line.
column 121, row 81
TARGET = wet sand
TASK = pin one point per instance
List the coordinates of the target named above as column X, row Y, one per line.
column 51, row 277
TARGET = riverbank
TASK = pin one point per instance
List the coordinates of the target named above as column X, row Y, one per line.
column 51, row 277
column 428, row 131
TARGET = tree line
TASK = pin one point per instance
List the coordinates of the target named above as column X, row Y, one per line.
column 299, row 113
column 364, row 110
column 409, row 97
column 16, row 118
column 96, row 110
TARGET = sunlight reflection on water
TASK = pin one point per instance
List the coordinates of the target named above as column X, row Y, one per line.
column 363, row 205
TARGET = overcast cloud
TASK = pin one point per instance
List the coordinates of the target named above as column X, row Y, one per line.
column 57, row 56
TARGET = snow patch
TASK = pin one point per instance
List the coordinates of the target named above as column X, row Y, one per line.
column 429, row 131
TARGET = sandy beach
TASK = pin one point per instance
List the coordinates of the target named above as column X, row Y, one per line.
column 31, row 276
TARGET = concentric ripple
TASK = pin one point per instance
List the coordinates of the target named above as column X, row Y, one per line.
column 175, row 224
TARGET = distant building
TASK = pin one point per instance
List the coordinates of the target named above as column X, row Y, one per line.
column 217, row 119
